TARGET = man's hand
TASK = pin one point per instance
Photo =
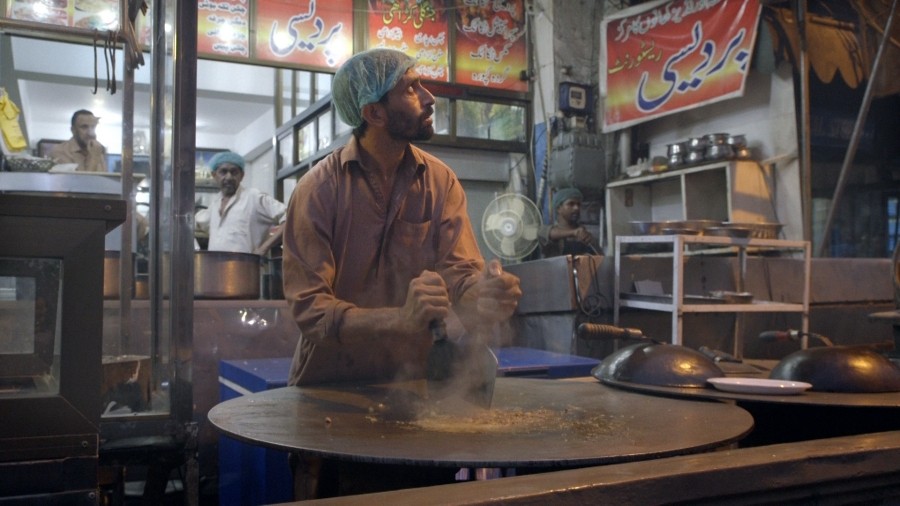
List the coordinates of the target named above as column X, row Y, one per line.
column 498, row 294
column 426, row 300
column 581, row 234
column 95, row 156
column 95, row 149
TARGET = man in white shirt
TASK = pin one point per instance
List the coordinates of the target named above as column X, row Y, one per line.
column 239, row 219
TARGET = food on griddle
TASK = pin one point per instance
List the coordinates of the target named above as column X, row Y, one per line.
column 518, row 421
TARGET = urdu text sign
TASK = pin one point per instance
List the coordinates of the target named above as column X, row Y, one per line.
column 674, row 55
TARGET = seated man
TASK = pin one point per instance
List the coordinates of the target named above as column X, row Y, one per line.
column 567, row 236
column 83, row 148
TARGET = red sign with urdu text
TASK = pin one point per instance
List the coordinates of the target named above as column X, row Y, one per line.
column 674, row 55
column 306, row 32
column 491, row 48
column 416, row 27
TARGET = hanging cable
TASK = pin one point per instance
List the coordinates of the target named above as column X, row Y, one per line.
column 96, row 77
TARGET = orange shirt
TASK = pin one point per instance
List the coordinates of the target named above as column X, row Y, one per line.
column 347, row 243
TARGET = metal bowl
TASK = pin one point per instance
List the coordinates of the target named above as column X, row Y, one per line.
column 737, row 141
column 29, row 164
column 728, row 231
column 717, row 139
column 697, row 144
column 732, row 297
column 743, row 153
column 694, row 157
column 719, row 152
column 677, row 148
column 647, row 227
column 759, row 230
column 699, row 226
column 679, row 231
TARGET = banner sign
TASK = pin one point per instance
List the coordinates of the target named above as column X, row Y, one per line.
column 305, row 32
column 490, row 46
column 669, row 56
column 88, row 14
column 223, row 27
column 416, row 27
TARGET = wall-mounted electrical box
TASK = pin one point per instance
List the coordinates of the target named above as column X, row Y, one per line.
column 575, row 98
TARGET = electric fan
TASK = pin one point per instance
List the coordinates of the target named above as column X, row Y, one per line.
column 510, row 226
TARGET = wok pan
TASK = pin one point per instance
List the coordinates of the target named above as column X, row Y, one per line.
column 847, row 369
column 649, row 362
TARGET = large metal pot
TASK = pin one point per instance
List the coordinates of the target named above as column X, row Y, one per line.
column 111, row 262
column 112, row 265
column 226, row 275
column 272, row 279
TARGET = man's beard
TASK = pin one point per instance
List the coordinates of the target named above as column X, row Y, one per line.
column 406, row 128
column 229, row 190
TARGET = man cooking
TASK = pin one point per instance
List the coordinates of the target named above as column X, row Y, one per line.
column 378, row 242
column 239, row 219
column 567, row 236
column 83, row 148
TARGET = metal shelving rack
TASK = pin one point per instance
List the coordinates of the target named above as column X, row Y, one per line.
column 676, row 303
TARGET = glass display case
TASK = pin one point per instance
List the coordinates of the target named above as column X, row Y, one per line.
column 51, row 284
column 29, row 335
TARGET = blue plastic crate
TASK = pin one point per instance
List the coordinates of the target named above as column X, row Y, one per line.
column 529, row 362
column 248, row 474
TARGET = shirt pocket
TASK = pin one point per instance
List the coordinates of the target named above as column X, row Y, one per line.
column 411, row 246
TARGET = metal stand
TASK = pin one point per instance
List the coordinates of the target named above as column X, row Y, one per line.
column 676, row 303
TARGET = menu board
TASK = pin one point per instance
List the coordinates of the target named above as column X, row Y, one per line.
column 491, row 46
column 306, row 32
column 90, row 14
column 223, row 27
column 416, row 27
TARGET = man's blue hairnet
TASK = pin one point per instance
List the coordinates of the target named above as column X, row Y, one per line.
column 564, row 194
column 226, row 157
column 365, row 78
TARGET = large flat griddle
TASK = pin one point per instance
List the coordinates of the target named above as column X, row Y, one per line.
column 533, row 423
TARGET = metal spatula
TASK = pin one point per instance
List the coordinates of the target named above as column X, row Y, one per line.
column 442, row 357
column 481, row 390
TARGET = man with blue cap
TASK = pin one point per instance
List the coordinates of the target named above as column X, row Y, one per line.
column 567, row 236
column 378, row 242
column 239, row 219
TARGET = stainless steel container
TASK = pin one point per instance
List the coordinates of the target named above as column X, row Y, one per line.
column 226, row 275
column 719, row 152
column 111, row 262
column 112, row 268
